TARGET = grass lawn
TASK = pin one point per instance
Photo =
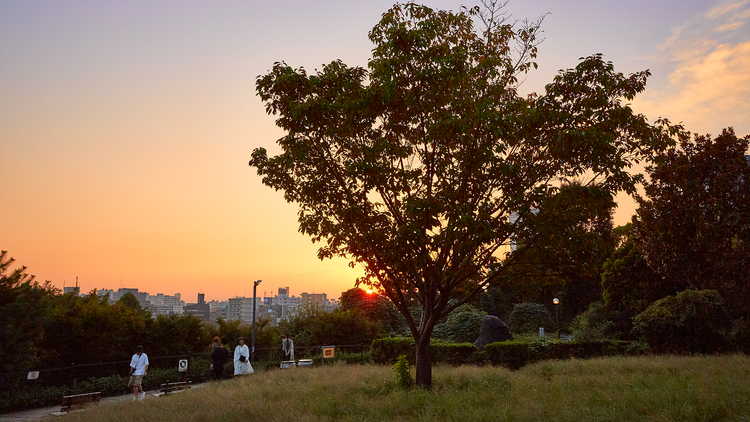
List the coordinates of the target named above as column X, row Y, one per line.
column 653, row 388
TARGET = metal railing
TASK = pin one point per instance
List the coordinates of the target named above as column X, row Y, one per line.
column 67, row 375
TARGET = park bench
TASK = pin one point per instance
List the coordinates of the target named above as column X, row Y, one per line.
column 79, row 400
column 171, row 387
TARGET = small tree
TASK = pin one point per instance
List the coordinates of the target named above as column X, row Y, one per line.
column 413, row 168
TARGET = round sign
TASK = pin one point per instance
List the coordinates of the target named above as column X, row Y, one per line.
column 555, row 301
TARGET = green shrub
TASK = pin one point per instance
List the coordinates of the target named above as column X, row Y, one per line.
column 387, row 351
column 452, row 353
column 693, row 321
column 402, row 372
column 354, row 358
column 460, row 326
column 529, row 316
column 515, row 354
column 512, row 354
column 593, row 324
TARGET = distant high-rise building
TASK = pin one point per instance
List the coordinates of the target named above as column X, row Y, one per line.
column 72, row 289
column 201, row 310
column 311, row 299
column 201, row 298
column 283, row 291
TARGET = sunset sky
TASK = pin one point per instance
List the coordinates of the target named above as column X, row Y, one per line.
column 126, row 126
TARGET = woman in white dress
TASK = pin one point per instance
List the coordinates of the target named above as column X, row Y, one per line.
column 242, row 359
column 287, row 347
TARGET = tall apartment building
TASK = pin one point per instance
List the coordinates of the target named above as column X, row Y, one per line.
column 313, row 299
column 201, row 309
column 242, row 308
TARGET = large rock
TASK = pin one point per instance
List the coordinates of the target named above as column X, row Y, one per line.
column 493, row 329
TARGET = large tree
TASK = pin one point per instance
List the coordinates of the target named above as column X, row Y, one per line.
column 24, row 304
column 413, row 167
column 693, row 224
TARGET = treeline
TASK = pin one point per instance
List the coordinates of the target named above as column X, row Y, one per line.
column 42, row 328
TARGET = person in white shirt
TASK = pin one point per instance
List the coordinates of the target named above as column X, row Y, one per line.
column 287, row 347
column 138, row 369
column 242, row 359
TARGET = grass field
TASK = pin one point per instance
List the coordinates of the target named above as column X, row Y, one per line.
column 653, row 388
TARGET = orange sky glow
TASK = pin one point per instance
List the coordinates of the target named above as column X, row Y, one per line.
column 126, row 127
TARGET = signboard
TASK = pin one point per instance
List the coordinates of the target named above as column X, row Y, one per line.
column 328, row 352
column 541, row 331
column 182, row 365
column 32, row 375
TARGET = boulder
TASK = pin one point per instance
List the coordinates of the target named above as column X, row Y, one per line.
column 493, row 329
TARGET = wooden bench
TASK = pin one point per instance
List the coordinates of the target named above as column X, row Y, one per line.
column 171, row 387
column 78, row 401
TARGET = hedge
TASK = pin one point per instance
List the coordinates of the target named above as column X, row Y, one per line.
column 513, row 354
column 387, row 351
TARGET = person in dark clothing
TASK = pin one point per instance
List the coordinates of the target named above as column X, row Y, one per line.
column 219, row 357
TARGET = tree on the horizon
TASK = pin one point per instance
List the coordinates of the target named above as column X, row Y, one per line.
column 413, row 167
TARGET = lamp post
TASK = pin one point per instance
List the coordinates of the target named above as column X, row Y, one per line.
column 252, row 346
column 556, row 302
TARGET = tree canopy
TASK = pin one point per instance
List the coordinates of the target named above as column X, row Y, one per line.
column 23, row 305
column 413, row 167
column 693, row 224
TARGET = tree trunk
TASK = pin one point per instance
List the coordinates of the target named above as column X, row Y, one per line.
column 424, row 362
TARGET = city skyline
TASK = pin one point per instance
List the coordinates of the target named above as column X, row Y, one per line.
column 126, row 128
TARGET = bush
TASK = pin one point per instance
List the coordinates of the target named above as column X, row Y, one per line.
column 311, row 326
column 387, row 350
column 460, row 326
column 693, row 321
column 512, row 354
column 515, row 354
column 592, row 324
column 354, row 358
column 529, row 316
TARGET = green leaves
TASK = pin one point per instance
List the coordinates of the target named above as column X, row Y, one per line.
column 693, row 225
column 414, row 166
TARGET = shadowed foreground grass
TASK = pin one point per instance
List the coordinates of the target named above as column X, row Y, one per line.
column 655, row 388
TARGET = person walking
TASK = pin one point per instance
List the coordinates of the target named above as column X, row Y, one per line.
column 138, row 369
column 242, row 359
column 219, row 357
column 287, row 347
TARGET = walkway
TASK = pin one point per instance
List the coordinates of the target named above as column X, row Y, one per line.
column 34, row 414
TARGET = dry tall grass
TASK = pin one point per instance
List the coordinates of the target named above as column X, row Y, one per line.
column 608, row 389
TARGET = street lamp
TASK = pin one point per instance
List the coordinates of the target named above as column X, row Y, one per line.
column 252, row 346
column 556, row 302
